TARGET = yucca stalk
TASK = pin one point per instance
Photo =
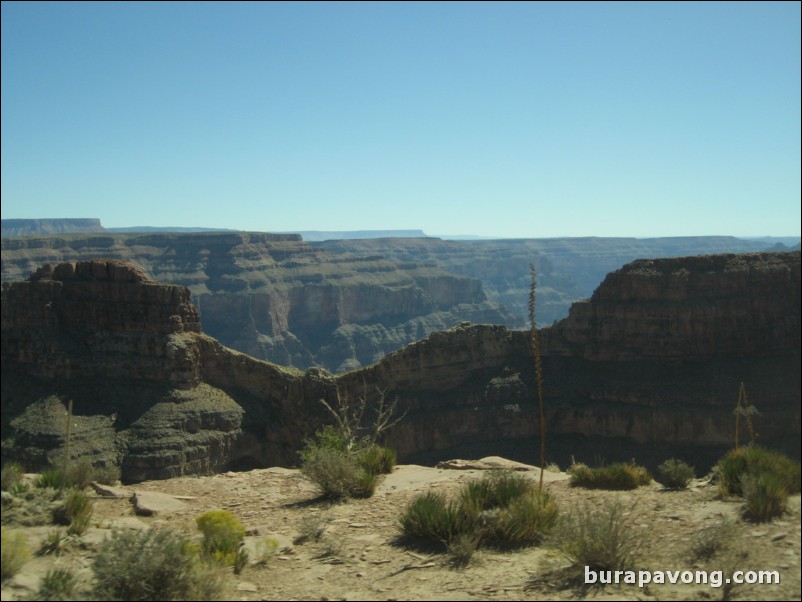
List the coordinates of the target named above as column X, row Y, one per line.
column 747, row 410
column 534, row 341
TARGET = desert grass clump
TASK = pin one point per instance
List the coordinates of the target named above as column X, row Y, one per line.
column 53, row 543
column 58, row 584
column 754, row 461
column 15, row 552
column 51, row 479
column 603, row 538
column 376, row 459
column 152, row 565
column 765, row 496
column 11, row 475
column 675, row 474
column 75, row 511
column 434, row 518
column 503, row 509
column 613, row 477
column 223, row 535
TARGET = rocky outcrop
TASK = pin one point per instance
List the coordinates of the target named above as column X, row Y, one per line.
column 688, row 309
column 121, row 347
column 277, row 298
column 198, row 406
column 649, row 367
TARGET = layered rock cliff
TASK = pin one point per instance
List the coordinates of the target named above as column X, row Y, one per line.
column 702, row 325
column 279, row 299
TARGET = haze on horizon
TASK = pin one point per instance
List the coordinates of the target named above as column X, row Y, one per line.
column 493, row 119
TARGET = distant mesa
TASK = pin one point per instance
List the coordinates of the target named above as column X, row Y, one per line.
column 45, row 227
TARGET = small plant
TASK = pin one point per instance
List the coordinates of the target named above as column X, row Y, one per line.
column 675, row 474
column 57, row 584
column 525, row 520
column 462, row 548
column 223, row 535
column 766, row 496
column 152, row 565
column 51, row 479
column 613, row 477
column 264, row 549
column 53, row 543
column 240, row 560
column 76, row 511
column 602, row 538
column 108, row 474
column 376, row 460
column 11, row 475
column 334, row 473
column 432, row 517
column 311, row 528
column 80, row 474
column 710, row 540
column 754, row 461
column 15, row 552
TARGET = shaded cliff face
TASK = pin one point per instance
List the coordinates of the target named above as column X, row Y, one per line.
column 276, row 298
column 649, row 367
column 469, row 391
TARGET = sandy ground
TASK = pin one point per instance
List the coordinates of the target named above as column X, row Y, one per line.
column 359, row 557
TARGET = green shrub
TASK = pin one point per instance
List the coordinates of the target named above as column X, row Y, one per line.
column 51, row 479
column 15, row 552
column 376, row 460
column 603, row 539
column 336, row 475
column 766, row 495
column 432, row 517
column 152, row 565
column 11, row 475
column 222, row 536
column 57, row 584
column 755, row 461
column 497, row 489
column 613, row 477
column 675, row 474
column 527, row 519
column 365, row 485
column 501, row 509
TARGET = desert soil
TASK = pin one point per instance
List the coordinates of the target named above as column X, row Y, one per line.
column 359, row 557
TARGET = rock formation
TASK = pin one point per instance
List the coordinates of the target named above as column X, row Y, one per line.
column 648, row 368
column 277, row 298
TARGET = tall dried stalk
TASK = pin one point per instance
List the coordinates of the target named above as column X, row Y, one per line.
column 534, row 341
column 743, row 407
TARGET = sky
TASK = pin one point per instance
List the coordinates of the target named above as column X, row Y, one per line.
column 495, row 119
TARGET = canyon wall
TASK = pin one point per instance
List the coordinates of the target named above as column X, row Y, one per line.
column 279, row 299
column 648, row 368
column 343, row 304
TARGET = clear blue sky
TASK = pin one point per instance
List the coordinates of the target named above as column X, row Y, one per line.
column 501, row 119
